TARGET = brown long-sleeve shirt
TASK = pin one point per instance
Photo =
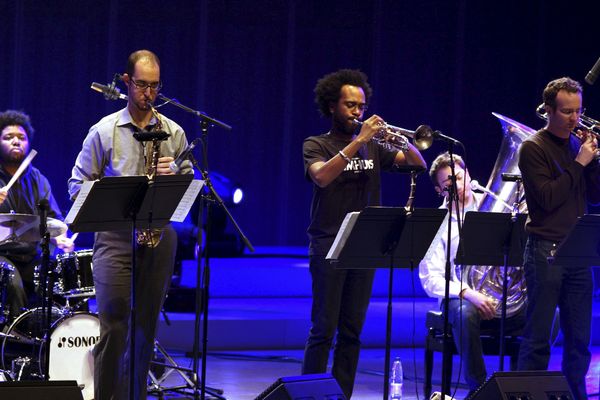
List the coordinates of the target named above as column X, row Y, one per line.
column 557, row 188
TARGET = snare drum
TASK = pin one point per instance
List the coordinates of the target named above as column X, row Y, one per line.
column 72, row 340
column 74, row 274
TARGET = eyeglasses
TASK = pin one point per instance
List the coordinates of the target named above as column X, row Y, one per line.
column 353, row 104
column 569, row 111
column 154, row 86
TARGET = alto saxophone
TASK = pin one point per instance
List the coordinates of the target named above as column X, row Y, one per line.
column 150, row 237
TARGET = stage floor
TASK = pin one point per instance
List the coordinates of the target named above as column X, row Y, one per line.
column 243, row 375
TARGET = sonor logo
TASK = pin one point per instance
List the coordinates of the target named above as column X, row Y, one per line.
column 77, row 341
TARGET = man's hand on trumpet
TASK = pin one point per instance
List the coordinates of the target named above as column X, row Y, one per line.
column 370, row 128
column 589, row 147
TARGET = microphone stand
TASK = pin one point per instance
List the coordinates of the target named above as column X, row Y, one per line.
column 452, row 197
column 505, row 250
column 47, row 282
column 203, row 274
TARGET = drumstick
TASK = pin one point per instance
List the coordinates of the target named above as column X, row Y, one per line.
column 20, row 170
column 74, row 236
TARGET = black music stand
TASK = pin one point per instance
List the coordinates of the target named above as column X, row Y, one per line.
column 497, row 239
column 582, row 244
column 386, row 237
column 128, row 202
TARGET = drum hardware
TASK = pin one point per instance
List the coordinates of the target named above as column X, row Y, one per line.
column 163, row 366
column 20, row 363
column 7, row 273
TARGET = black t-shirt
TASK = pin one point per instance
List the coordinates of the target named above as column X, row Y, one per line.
column 357, row 187
column 23, row 198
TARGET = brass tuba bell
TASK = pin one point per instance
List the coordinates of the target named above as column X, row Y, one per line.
column 498, row 193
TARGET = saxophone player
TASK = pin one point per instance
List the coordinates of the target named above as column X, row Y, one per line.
column 111, row 150
column 468, row 310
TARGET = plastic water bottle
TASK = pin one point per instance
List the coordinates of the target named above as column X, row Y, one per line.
column 396, row 380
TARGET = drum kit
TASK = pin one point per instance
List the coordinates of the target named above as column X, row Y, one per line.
column 73, row 333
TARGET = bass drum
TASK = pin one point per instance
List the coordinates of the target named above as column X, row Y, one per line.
column 72, row 340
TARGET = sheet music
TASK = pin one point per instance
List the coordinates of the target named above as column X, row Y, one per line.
column 342, row 235
column 184, row 206
column 79, row 200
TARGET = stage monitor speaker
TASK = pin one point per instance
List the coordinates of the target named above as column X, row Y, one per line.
column 40, row 390
column 304, row 387
column 524, row 385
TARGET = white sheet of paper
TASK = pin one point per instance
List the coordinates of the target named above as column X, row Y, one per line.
column 79, row 200
column 184, row 206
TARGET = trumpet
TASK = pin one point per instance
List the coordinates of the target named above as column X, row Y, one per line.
column 396, row 137
column 586, row 123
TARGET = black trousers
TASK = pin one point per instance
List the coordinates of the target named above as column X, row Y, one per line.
column 112, row 277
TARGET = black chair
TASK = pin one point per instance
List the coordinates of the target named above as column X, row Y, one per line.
column 489, row 340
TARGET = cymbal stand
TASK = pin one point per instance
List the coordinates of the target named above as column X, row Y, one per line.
column 171, row 366
column 47, row 283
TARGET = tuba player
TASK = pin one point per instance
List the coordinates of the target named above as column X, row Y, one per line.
column 469, row 310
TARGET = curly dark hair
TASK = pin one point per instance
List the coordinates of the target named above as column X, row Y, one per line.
column 328, row 87
column 553, row 87
column 442, row 161
column 137, row 56
column 13, row 117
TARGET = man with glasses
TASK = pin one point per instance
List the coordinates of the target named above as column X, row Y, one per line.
column 560, row 177
column 110, row 149
column 344, row 166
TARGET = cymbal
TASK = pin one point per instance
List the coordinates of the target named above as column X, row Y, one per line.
column 26, row 227
column 13, row 220
column 56, row 227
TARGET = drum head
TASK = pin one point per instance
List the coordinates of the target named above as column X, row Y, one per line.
column 21, row 349
column 72, row 340
column 71, row 344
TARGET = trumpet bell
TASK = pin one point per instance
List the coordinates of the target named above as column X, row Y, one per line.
column 423, row 137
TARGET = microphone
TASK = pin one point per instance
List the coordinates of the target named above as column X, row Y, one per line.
column 593, row 74
column 506, row 177
column 43, row 205
column 110, row 92
column 476, row 186
column 440, row 136
column 176, row 164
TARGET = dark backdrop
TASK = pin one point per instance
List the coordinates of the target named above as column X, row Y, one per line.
column 254, row 64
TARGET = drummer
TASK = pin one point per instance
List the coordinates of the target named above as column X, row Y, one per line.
column 23, row 197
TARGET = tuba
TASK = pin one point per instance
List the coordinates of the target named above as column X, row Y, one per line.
column 150, row 237
column 489, row 279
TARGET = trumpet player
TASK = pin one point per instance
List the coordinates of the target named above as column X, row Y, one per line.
column 344, row 166
column 560, row 177
column 469, row 310
column 111, row 150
